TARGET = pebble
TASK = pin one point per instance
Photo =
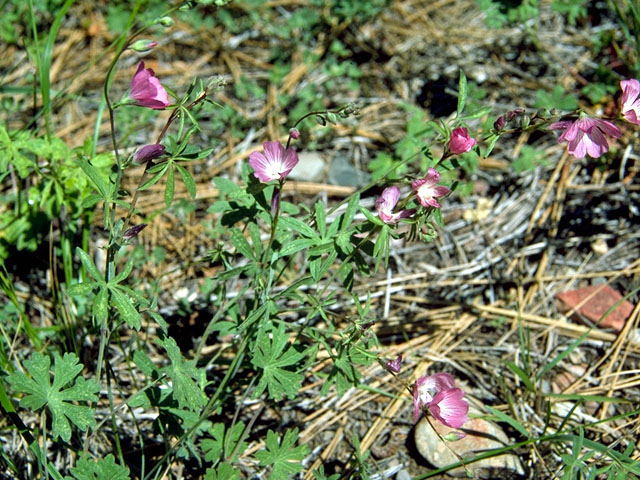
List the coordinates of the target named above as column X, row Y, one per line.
column 342, row 172
column 310, row 168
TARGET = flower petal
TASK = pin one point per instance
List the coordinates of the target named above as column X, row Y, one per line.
column 449, row 408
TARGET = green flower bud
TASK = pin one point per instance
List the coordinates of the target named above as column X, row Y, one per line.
column 165, row 21
column 142, row 46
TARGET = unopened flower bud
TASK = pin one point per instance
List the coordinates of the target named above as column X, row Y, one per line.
column 133, row 231
column 165, row 21
column 525, row 121
column 294, row 133
column 321, row 120
column 394, row 365
column 514, row 113
column 142, row 46
column 188, row 5
column 149, row 152
column 275, row 200
column 454, row 436
column 499, row 123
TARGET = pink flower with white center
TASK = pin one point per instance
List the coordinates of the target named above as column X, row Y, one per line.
column 445, row 402
column 427, row 189
column 387, row 202
column 276, row 162
column 460, row 141
column 586, row 136
column 630, row 103
column 450, row 408
column 146, row 90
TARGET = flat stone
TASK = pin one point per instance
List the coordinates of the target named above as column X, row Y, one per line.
column 481, row 435
column 310, row 168
column 342, row 172
column 592, row 302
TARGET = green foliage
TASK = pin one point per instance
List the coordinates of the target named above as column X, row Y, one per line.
column 224, row 471
column 281, row 455
column 109, row 293
column 187, row 380
column 57, row 187
column 501, row 13
column 277, row 360
column 555, row 99
column 102, row 469
column 40, row 392
column 571, row 9
column 529, row 159
column 224, row 444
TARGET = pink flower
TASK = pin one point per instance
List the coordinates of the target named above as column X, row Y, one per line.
column 146, row 89
column 449, row 408
column 444, row 400
column 294, row 133
column 460, row 141
column 149, row 152
column 387, row 202
column 427, row 191
column 586, row 135
column 630, row 102
column 276, row 162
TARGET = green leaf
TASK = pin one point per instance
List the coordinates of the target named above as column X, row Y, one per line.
column 462, row 92
column 298, row 226
column 101, row 305
column 224, row 471
column 352, row 208
column 188, row 180
column 295, row 246
column 89, row 265
column 126, row 271
column 241, row 244
column 321, row 219
column 170, row 187
column 223, row 443
column 503, row 417
column 226, row 186
column 522, row 375
column 125, row 308
column 273, row 354
column 81, row 289
column 102, row 469
column 282, row 456
column 94, row 175
column 40, row 392
column 186, row 377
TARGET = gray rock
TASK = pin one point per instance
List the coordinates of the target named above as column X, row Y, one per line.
column 481, row 435
column 342, row 172
column 310, row 168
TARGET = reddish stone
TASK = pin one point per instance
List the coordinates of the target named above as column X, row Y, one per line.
column 594, row 301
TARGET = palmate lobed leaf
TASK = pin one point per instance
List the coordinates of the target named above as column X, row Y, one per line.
column 186, row 377
column 272, row 357
column 40, row 392
column 103, row 469
column 224, row 438
column 283, row 457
